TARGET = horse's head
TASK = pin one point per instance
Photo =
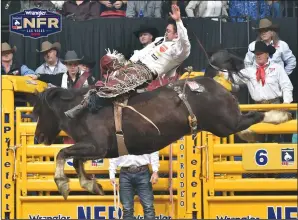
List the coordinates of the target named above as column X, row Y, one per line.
column 47, row 127
column 225, row 60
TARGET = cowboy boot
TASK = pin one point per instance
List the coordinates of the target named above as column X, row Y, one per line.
column 92, row 102
column 75, row 111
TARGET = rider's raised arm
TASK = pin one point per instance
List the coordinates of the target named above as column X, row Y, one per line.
column 183, row 45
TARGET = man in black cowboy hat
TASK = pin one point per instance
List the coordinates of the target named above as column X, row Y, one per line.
column 72, row 78
column 146, row 34
column 87, row 64
column 52, row 64
column 8, row 65
column 267, row 81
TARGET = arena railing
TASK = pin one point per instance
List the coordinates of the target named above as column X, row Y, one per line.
column 262, row 185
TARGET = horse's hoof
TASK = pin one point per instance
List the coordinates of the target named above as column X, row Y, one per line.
column 93, row 187
column 63, row 186
column 289, row 116
column 248, row 136
column 97, row 189
column 277, row 117
column 65, row 193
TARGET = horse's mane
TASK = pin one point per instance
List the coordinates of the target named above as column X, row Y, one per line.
column 46, row 97
column 65, row 94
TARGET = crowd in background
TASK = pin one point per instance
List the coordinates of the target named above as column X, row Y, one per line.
column 85, row 10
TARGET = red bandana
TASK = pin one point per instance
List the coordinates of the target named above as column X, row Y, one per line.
column 261, row 74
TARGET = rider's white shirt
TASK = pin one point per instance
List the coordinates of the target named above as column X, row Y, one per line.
column 137, row 160
column 165, row 57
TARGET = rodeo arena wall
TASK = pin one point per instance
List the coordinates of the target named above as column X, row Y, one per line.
column 210, row 177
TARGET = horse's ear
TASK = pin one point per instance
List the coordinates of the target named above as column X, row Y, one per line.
column 32, row 98
column 64, row 94
column 67, row 95
column 51, row 93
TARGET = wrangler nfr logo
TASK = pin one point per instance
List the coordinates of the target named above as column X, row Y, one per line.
column 35, row 23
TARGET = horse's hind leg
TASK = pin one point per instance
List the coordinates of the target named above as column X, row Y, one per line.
column 87, row 183
column 272, row 117
column 247, row 120
column 251, row 118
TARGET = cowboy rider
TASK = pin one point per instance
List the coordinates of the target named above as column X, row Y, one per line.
column 163, row 56
column 146, row 35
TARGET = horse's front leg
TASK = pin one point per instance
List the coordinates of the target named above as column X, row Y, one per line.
column 86, row 182
column 60, row 178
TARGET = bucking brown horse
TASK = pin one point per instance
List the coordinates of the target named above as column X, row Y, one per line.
column 215, row 109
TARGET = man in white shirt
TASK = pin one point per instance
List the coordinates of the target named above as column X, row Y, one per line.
column 267, row 81
column 53, row 64
column 267, row 32
column 163, row 56
column 160, row 58
column 135, row 178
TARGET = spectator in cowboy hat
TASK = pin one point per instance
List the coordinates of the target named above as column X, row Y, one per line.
column 267, row 81
column 146, row 34
column 72, row 78
column 267, row 32
column 87, row 64
column 8, row 65
column 52, row 64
